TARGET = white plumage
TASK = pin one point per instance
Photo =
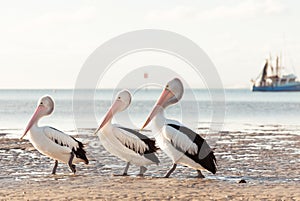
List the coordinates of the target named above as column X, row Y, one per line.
column 181, row 144
column 130, row 140
column 127, row 144
column 52, row 142
column 177, row 139
column 124, row 145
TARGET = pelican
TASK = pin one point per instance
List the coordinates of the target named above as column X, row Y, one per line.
column 180, row 143
column 52, row 142
column 127, row 144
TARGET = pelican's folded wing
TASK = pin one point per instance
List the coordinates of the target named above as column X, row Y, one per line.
column 192, row 144
column 139, row 143
column 61, row 138
column 130, row 140
column 181, row 138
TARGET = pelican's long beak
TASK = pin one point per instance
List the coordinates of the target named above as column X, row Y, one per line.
column 33, row 119
column 109, row 115
column 165, row 96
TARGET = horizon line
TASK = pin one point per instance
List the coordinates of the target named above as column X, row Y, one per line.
column 112, row 88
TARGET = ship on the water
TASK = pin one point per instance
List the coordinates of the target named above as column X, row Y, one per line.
column 274, row 79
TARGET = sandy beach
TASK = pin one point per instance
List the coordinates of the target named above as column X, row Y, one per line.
column 130, row 188
column 266, row 158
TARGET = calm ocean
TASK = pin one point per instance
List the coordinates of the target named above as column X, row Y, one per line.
column 243, row 108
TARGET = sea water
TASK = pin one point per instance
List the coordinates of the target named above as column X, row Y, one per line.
column 239, row 109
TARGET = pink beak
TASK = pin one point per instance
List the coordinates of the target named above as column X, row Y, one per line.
column 165, row 95
column 33, row 119
column 109, row 115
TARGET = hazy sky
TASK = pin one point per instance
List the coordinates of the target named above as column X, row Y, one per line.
column 43, row 44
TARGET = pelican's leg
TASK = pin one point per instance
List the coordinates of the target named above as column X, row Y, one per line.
column 171, row 170
column 200, row 175
column 142, row 171
column 70, row 163
column 126, row 169
column 55, row 166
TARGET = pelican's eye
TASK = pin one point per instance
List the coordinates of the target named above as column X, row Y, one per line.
column 119, row 97
column 41, row 103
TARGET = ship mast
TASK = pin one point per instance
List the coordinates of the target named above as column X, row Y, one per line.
column 270, row 64
column 277, row 66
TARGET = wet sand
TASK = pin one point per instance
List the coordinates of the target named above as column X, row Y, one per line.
column 266, row 157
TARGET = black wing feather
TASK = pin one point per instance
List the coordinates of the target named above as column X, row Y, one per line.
column 150, row 152
column 205, row 156
column 79, row 152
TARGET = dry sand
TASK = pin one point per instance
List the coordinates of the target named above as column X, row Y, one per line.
column 267, row 159
column 111, row 187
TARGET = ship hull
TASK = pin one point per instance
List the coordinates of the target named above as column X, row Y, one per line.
column 294, row 87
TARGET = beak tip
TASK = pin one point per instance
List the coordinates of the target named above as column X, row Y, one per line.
column 96, row 131
column 144, row 126
column 22, row 137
